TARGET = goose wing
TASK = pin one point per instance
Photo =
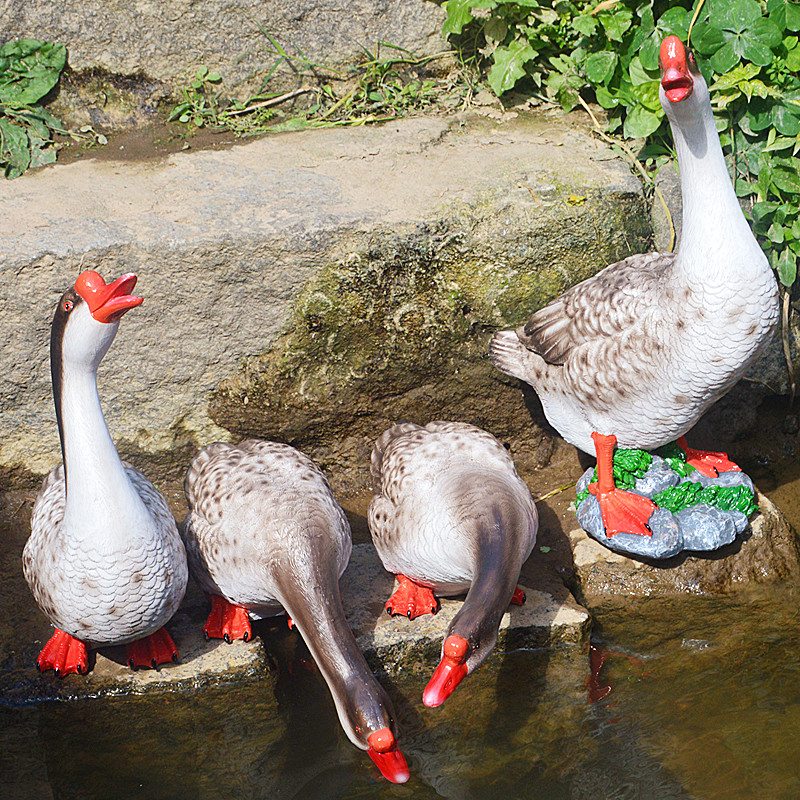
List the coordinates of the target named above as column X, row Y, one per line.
column 608, row 304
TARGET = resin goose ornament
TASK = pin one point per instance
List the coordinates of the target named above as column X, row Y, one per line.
column 104, row 560
column 637, row 353
column 450, row 515
column 263, row 535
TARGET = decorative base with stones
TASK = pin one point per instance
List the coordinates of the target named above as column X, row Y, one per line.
column 701, row 526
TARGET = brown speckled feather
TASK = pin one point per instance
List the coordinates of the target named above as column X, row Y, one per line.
column 628, row 292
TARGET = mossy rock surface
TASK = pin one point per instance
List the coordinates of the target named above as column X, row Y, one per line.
column 310, row 287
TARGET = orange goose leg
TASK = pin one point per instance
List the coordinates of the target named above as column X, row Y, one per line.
column 707, row 462
column 623, row 512
column 157, row 648
column 64, row 654
column 411, row 600
column 227, row 621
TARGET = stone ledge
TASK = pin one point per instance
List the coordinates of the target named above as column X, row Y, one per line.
column 392, row 645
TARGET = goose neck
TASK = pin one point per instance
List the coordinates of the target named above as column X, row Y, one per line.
column 715, row 231
column 98, row 487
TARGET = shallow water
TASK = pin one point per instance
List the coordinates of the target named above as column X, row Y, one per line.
column 705, row 703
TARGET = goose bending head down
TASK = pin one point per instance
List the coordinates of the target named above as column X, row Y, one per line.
column 104, row 560
column 450, row 515
column 637, row 353
column 264, row 535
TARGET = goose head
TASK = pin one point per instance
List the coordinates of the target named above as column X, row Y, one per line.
column 368, row 721
column 683, row 89
column 87, row 319
column 461, row 655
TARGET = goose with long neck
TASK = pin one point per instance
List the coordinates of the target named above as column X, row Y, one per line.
column 104, row 560
column 449, row 515
column 264, row 535
column 637, row 353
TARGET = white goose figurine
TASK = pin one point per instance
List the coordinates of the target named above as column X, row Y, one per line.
column 450, row 515
column 104, row 559
column 263, row 535
column 638, row 352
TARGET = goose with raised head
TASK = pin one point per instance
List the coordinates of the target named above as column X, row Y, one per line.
column 265, row 535
column 637, row 353
column 104, row 560
column 449, row 515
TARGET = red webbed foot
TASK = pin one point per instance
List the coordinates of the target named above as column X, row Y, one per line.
column 149, row 652
column 518, row 598
column 227, row 621
column 411, row 600
column 707, row 462
column 623, row 512
column 64, row 654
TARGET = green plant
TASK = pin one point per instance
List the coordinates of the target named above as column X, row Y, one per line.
column 748, row 51
column 380, row 88
column 201, row 104
column 29, row 69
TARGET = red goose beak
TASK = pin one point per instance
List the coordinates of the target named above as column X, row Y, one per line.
column 675, row 76
column 451, row 671
column 389, row 760
column 107, row 301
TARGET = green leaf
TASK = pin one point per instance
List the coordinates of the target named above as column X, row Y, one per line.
column 508, row 67
column 785, row 14
column 787, row 267
column 14, row 149
column 615, row 23
column 734, row 15
column 29, row 69
column 707, row 39
column 600, row 66
column 585, row 24
column 605, row 98
column 793, row 57
column 647, row 95
column 459, row 14
column 786, row 120
column 787, row 180
column 725, row 58
column 638, row 74
column 640, row 122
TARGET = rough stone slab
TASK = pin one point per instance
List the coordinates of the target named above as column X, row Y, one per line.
column 234, row 248
column 391, row 645
column 395, row 644
column 168, row 41
column 767, row 552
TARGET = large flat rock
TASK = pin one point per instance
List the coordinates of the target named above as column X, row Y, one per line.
column 392, row 645
column 311, row 287
column 167, row 41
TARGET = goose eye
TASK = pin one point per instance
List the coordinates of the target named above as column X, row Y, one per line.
column 691, row 56
column 68, row 305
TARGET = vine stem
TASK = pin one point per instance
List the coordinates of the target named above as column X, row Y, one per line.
column 786, row 311
column 598, row 130
column 556, row 491
column 273, row 101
